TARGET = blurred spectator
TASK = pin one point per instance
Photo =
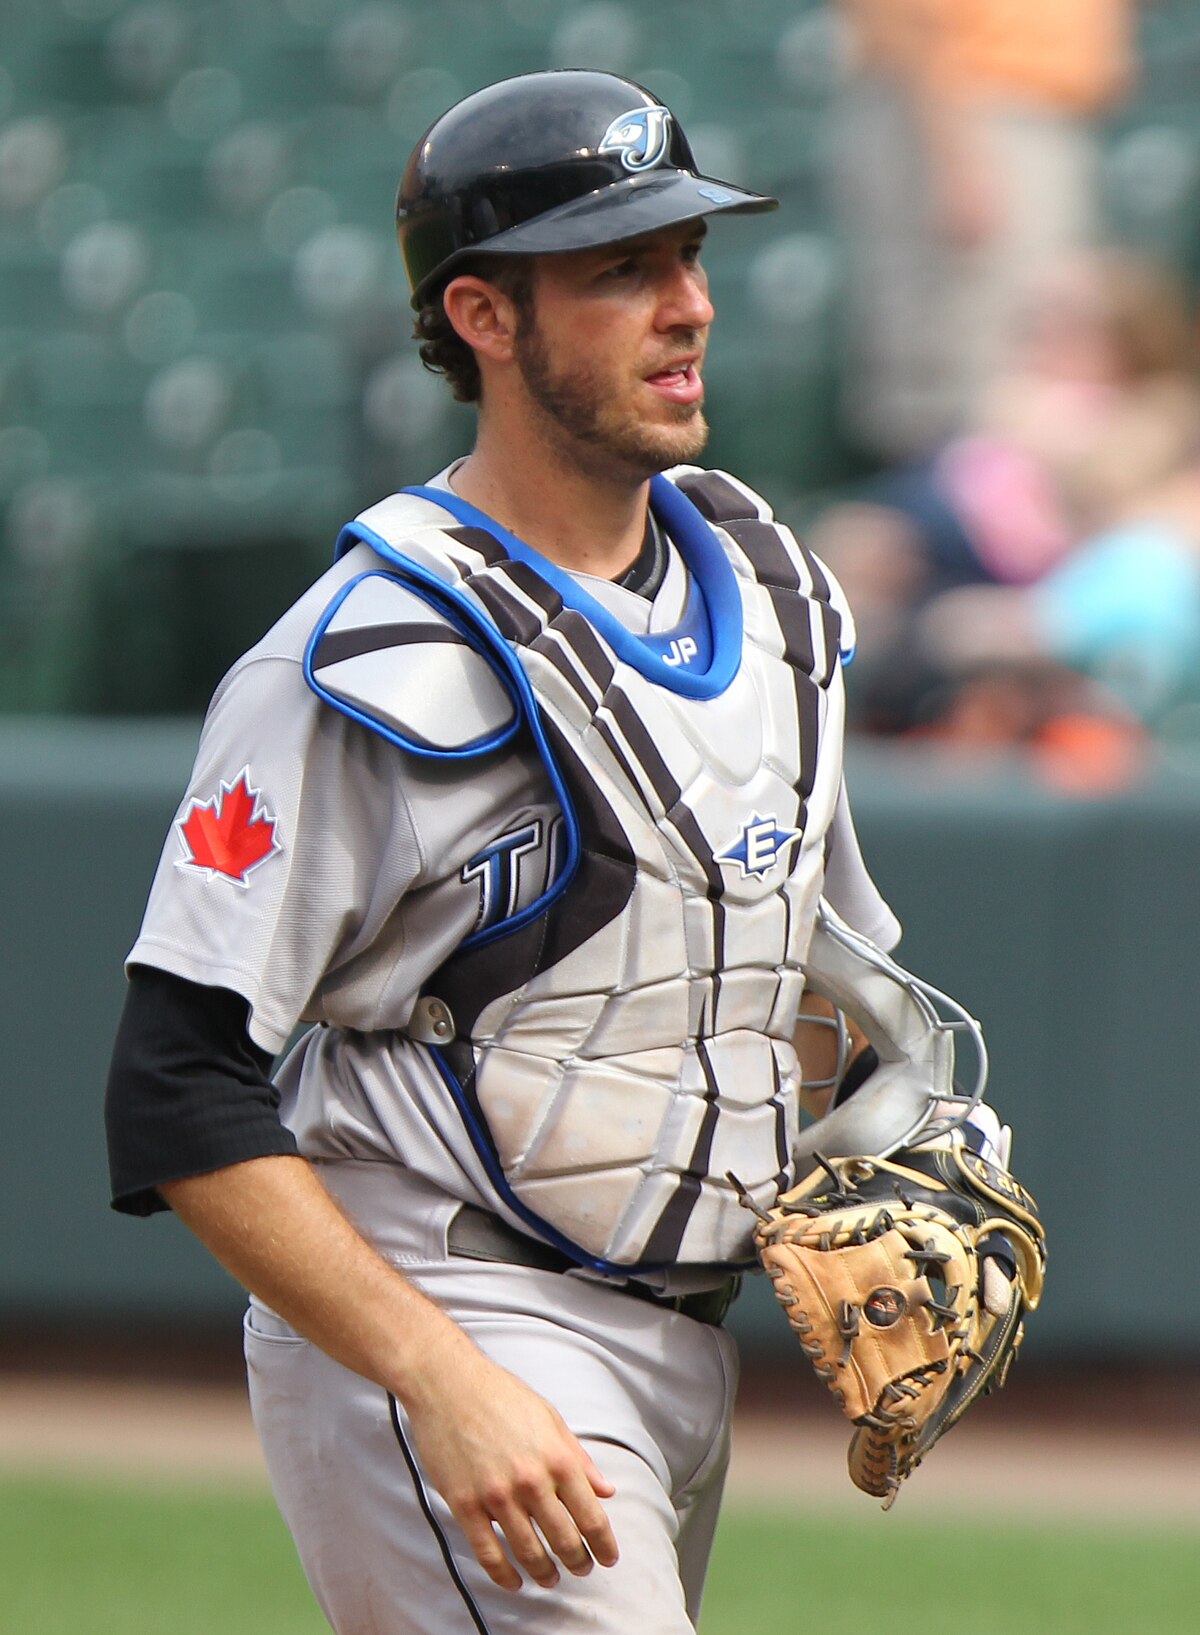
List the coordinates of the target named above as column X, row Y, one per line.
column 1063, row 528
column 966, row 161
column 1123, row 610
column 1075, row 734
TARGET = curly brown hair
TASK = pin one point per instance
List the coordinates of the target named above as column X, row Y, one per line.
column 442, row 349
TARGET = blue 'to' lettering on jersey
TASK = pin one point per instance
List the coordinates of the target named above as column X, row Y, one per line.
column 497, row 870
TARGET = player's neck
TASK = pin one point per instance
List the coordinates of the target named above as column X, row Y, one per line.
column 580, row 521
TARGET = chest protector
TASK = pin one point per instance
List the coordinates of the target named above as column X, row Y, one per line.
column 624, row 1043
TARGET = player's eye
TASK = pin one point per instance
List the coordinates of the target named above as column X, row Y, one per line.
column 627, row 267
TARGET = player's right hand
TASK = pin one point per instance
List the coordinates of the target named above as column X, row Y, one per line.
column 511, row 1471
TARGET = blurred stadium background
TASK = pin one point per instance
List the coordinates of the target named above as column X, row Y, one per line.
column 205, row 368
column 204, row 356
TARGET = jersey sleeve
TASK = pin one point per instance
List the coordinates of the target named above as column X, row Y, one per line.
column 849, row 888
column 290, row 850
column 188, row 1090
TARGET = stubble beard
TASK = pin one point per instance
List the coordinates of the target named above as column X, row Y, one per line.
column 582, row 419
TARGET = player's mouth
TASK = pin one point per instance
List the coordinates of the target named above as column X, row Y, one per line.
column 680, row 383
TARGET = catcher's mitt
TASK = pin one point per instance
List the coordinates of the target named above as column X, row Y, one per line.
column 906, row 1279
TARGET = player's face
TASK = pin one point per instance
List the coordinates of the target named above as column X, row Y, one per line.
column 613, row 355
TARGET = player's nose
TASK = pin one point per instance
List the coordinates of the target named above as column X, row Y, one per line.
column 683, row 300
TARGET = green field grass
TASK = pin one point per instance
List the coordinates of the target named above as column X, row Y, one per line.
column 82, row 1558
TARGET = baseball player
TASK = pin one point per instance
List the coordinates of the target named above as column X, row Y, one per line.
column 523, row 814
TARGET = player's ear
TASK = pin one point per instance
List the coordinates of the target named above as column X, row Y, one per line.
column 482, row 315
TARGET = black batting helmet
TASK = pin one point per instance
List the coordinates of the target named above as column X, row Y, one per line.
column 561, row 160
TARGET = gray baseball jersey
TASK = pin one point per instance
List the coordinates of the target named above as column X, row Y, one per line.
column 587, row 828
column 536, row 859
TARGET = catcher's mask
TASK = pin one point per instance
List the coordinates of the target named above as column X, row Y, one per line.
column 562, row 160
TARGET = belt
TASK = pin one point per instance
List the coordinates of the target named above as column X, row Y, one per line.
column 477, row 1234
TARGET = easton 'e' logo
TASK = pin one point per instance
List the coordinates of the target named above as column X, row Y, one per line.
column 640, row 137
column 759, row 846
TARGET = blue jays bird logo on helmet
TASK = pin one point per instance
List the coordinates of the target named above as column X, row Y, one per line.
column 639, row 136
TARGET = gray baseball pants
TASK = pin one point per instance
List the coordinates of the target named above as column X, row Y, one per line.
column 648, row 1391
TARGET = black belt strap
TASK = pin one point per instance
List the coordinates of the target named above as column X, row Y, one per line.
column 477, row 1234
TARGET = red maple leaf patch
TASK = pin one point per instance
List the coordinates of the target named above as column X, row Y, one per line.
column 226, row 835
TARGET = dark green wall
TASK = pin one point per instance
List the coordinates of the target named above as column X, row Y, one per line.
column 1067, row 926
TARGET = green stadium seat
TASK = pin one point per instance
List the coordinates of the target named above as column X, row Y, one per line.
column 30, row 293
column 87, row 394
column 237, row 282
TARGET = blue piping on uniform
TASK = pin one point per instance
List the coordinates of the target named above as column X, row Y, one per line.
column 719, row 599
column 477, row 746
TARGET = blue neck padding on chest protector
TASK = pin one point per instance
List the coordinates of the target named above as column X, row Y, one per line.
column 697, row 659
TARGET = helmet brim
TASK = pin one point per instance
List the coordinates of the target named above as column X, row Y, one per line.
column 609, row 215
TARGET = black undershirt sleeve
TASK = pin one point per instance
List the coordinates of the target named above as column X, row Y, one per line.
column 188, row 1089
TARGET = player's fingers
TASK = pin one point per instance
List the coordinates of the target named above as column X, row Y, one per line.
column 527, row 1547
column 488, row 1550
column 598, row 1481
column 578, row 1498
column 563, row 1537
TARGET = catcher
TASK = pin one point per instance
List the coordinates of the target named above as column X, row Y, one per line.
column 907, row 1256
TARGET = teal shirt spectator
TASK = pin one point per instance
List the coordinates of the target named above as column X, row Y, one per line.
column 1126, row 609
